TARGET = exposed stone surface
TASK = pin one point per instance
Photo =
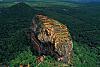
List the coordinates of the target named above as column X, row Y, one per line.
column 54, row 38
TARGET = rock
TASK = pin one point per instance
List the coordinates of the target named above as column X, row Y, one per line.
column 53, row 34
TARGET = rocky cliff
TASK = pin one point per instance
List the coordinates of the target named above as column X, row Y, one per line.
column 51, row 38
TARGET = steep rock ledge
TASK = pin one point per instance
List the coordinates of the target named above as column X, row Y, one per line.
column 50, row 37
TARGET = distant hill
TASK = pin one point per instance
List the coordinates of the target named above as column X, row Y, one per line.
column 21, row 9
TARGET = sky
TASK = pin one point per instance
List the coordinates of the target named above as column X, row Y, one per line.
column 86, row 0
column 60, row 0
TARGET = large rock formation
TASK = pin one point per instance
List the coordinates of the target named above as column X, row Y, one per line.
column 52, row 38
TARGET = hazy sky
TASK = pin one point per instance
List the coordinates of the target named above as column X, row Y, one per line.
column 85, row 0
column 59, row 0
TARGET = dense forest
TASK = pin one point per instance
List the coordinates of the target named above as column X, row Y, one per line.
column 82, row 21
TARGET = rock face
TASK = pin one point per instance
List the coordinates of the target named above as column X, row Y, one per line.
column 54, row 37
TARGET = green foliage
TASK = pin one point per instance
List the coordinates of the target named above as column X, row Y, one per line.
column 13, row 46
column 83, row 57
column 13, row 39
column 25, row 57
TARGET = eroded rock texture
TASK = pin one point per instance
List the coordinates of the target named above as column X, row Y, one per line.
column 53, row 38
